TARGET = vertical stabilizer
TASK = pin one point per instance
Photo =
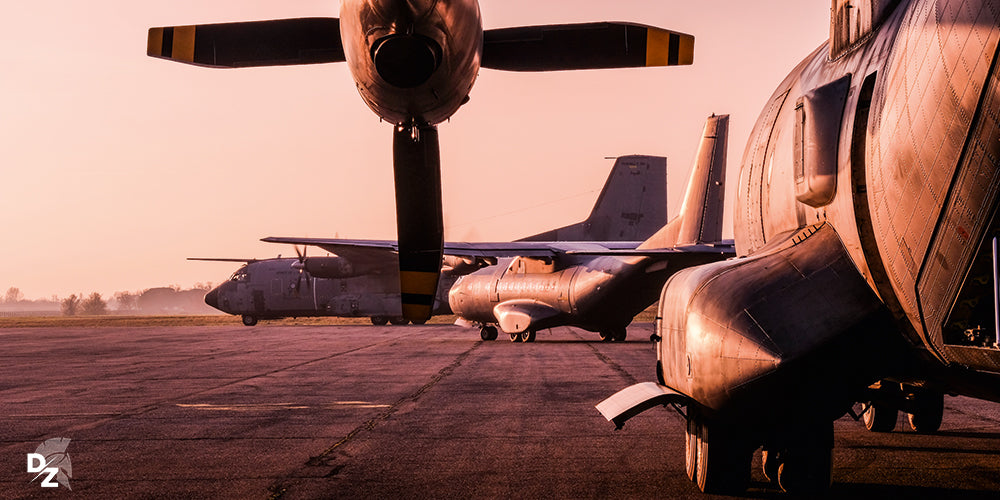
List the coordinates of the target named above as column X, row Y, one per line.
column 632, row 206
column 700, row 218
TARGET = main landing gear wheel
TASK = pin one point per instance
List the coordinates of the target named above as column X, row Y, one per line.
column 379, row 320
column 528, row 336
column 419, row 321
column 806, row 465
column 398, row 320
column 249, row 320
column 617, row 335
column 880, row 417
column 488, row 333
column 691, row 446
column 928, row 411
column 722, row 458
column 515, row 337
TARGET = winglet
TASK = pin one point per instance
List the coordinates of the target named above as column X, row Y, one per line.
column 700, row 218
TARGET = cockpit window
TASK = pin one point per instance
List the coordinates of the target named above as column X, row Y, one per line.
column 241, row 274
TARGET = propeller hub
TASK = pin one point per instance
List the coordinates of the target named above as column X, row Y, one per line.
column 406, row 61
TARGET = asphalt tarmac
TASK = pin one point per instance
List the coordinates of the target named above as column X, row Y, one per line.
column 396, row 412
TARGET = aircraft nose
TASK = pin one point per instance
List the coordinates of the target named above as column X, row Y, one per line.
column 212, row 298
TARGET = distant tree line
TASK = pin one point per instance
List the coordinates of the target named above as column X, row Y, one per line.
column 161, row 300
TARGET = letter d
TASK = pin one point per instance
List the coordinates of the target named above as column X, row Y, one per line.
column 36, row 462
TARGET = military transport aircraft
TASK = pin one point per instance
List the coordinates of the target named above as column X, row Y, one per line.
column 414, row 63
column 603, row 290
column 866, row 228
column 364, row 282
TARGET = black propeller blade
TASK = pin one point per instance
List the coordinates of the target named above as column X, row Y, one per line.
column 301, row 265
column 419, row 224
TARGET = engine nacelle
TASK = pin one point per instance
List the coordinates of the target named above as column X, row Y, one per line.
column 331, row 268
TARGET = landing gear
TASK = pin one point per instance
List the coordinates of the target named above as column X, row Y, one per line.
column 528, row 336
column 418, row 321
column 718, row 455
column 379, row 320
column 398, row 320
column 805, row 465
column 249, row 320
column 488, row 333
column 880, row 417
column 515, row 337
column 927, row 409
column 615, row 335
column 720, row 460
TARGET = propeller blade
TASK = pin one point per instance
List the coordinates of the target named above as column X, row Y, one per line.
column 257, row 43
column 561, row 47
column 419, row 219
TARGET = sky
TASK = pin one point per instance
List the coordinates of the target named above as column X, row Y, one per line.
column 115, row 167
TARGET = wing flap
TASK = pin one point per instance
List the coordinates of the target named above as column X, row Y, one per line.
column 279, row 42
column 561, row 47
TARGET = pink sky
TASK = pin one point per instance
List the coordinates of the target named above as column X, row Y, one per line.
column 115, row 167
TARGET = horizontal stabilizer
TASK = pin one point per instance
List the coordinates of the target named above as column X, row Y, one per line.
column 279, row 42
column 636, row 399
column 584, row 46
column 219, row 259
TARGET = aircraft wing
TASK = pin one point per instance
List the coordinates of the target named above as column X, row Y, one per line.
column 723, row 247
column 351, row 248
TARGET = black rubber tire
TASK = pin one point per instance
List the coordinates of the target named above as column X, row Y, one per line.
column 723, row 460
column 770, row 464
column 488, row 333
column 807, row 466
column 691, row 447
column 880, row 417
column 620, row 335
column 379, row 320
column 928, row 412
column 398, row 321
column 606, row 336
column 419, row 322
column 528, row 336
column 249, row 320
column 515, row 337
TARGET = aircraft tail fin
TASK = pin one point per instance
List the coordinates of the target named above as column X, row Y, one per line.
column 631, row 207
column 700, row 218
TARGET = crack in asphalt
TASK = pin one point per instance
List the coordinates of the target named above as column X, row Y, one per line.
column 325, row 458
column 615, row 367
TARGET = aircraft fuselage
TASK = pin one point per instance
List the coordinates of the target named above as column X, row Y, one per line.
column 913, row 165
column 413, row 60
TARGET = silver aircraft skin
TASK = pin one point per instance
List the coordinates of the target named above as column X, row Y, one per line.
column 414, row 62
column 364, row 282
column 602, row 291
column 866, row 230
